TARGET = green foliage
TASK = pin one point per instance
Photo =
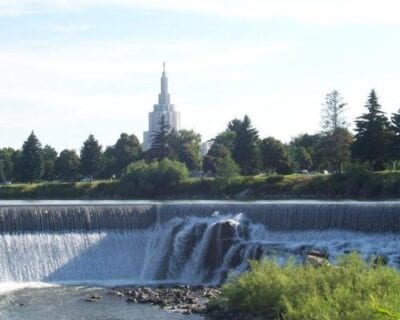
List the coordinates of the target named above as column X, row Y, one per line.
column 68, row 165
column 143, row 178
column 274, row 156
column 373, row 135
column 31, row 165
column 91, row 157
column 160, row 148
column 295, row 292
column 49, row 159
column 185, row 145
column 126, row 150
column 246, row 145
column 6, row 164
column 226, row 168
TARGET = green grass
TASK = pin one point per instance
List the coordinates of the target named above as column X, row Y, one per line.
column 350, row 290
column 354, row 185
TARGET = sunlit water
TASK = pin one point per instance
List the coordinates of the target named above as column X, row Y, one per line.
column 48, row 244
column 68, row 303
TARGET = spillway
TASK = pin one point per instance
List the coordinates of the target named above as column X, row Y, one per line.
column 185, row 242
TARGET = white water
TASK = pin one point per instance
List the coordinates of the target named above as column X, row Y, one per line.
column 185, row 249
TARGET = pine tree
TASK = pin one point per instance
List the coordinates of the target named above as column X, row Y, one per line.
column 332, row 116
column 372, row 135
column 91, row 157
column 31, row 159
column 160, row 148
column 245, row 150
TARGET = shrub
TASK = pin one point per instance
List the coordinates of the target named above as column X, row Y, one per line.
column 349, row 291
column 151, row 178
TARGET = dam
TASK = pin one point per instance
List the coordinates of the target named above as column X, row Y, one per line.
column 111, row 243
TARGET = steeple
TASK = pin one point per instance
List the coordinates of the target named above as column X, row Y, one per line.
column 163, row 108
column 163, row 97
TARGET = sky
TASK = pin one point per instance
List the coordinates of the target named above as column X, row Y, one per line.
column 70, row 68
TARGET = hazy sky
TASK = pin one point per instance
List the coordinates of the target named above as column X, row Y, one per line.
column 71, row 68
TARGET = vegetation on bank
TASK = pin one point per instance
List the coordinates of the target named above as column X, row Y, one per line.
column 169, row 180
column 237, row 150
column 350, row 290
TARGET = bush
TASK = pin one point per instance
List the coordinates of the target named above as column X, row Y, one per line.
column 143, row 178
column 349, row 291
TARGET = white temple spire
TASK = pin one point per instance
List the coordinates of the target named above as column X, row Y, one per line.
column 163, row 108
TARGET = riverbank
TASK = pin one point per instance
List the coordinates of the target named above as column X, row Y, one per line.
column 354, row 185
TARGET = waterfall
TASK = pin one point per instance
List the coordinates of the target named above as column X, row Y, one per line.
column 187, row 242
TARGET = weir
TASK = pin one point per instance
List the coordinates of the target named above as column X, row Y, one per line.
column 186, row 242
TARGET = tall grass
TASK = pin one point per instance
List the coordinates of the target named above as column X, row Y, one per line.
column 351, row 290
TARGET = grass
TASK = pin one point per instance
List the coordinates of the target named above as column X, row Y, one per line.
column 350, row 290
column 353, row 185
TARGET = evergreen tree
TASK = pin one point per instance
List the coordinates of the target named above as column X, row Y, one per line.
column 332, row 116
column 31, row 159
column 160, row 148
column 49, row 159
column 274, row 156
column 395, row 139
column 372, row 136
column 67, row 165
column 91, row 157
column 245, row 150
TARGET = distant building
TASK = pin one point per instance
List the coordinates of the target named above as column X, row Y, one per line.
column 204, row 147
column 163, row 108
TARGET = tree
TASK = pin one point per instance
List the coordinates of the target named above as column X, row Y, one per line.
column 335, row 149
column 332, row 116
column 6, row 164
column 160, row 148
column 302, row 159
column 245, row 150
column 67, row 165
column 274, row 156
column 31, row 159
column 210, row 161
column 312, row 153
column 185, row 145
column 49, row 159
column 126, row 150
column 17, row 166
column 226, row 168
column 395, row 139
column 372, row 136
column 91, row 157
column 153, row 178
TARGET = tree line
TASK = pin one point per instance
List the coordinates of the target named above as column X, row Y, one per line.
column 238, row 150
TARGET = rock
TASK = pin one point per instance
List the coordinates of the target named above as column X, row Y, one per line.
column 115, row 293
column 131, row 300
column 315, row 261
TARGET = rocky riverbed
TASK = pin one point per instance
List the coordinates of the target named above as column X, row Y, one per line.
column 187, row 300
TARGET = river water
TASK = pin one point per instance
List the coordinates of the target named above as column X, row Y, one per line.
column 58, row 245
column 68, row 303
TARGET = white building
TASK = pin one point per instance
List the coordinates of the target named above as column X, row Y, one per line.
column 163, row 108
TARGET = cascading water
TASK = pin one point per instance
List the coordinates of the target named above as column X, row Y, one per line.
column 188, row 242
